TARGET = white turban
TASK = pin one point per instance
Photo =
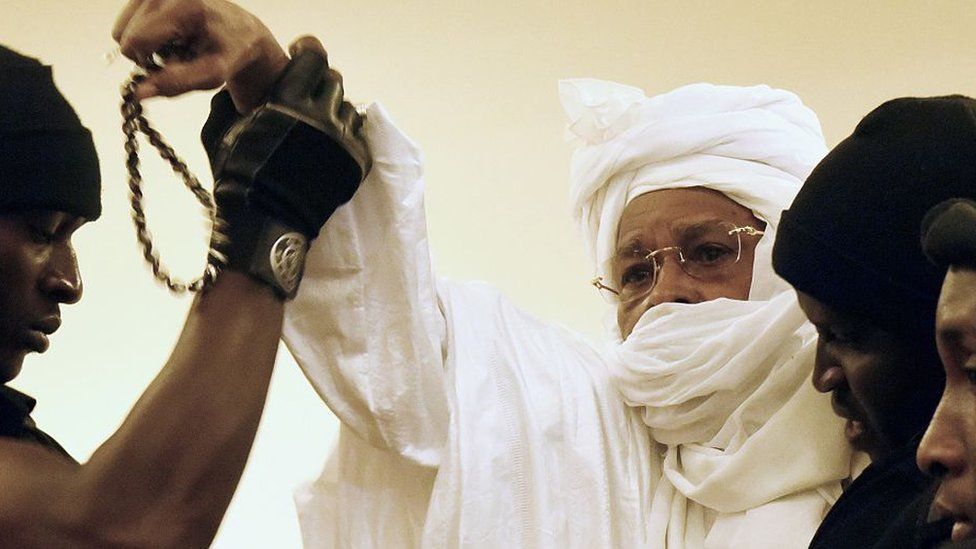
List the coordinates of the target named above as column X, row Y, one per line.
column 754, row 144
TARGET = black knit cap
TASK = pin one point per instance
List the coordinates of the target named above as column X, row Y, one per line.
column 47, row 158
column 949, row 233
column 851, row 237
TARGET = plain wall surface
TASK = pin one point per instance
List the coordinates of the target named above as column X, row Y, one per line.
column 474, row 83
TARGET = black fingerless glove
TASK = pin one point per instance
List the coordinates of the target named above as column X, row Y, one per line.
column 282, row 170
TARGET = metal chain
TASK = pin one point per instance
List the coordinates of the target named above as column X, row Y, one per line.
column 133, row 122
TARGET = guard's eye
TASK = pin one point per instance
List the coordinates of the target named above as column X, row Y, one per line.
column 42, row 236
column 836, row 337
column 970, row 374
column 40, row 228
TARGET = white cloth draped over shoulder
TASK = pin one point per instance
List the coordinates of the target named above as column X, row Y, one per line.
column 465, row 422
column 754, row 455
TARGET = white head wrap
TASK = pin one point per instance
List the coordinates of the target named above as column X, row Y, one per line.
column 754, row 144
column 723, row 385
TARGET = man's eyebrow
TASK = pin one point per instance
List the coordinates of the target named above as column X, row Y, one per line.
column 696, row 228
column 631, row 247
column 693, row 229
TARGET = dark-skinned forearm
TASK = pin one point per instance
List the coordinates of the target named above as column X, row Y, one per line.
column 167, row 475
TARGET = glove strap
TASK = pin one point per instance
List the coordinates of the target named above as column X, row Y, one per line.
column 263, row 248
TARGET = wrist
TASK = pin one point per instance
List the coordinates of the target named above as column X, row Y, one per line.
column 244, row 287
column 250, row 86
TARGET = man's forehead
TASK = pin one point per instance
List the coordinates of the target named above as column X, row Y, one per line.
column 823, row 314
column 666, row 208
column 44, row 214
column 649, row 234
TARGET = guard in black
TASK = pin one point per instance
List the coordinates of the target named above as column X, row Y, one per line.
column 287, row 155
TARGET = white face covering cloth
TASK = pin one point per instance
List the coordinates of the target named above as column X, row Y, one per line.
column 753, row 456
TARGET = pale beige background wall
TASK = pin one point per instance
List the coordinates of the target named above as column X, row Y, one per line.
column 475, row 84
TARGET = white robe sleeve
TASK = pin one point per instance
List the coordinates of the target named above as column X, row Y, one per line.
column 366, row 327
column 365, row 497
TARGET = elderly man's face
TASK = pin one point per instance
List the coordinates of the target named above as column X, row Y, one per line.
column 652, row 221
column 948, row 449
column 38, row 272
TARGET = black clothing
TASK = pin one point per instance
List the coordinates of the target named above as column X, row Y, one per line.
column 47, row 156
column 15, row 421
column 886, row 507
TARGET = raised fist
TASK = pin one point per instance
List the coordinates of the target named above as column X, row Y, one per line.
column 285, row 167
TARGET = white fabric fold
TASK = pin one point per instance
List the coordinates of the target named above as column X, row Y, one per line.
column 542, row 451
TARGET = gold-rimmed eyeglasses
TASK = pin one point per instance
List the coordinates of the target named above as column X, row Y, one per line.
column 705, row 251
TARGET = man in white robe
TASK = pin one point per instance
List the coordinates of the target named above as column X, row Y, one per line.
column 466, row 422
column 752, row 455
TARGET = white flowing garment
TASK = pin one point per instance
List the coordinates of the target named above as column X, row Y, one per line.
column 465, row 422
column 754, row 455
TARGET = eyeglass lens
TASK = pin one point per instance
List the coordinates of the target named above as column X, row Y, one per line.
column 704, row 251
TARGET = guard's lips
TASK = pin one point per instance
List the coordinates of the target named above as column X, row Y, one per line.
column 47, row 325
column 963, row 527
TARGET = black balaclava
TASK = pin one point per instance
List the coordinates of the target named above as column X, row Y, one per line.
column 850, row 238
column 47, row 158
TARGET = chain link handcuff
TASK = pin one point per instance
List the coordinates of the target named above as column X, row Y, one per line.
column 134, row 121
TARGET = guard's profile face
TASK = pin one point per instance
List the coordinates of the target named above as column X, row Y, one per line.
column 878, row 384
column 948, row 449
column 658, row 220
column 38, row 272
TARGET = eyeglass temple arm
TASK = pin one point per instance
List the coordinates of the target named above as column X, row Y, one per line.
column 599, row 285
column 751, row 231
